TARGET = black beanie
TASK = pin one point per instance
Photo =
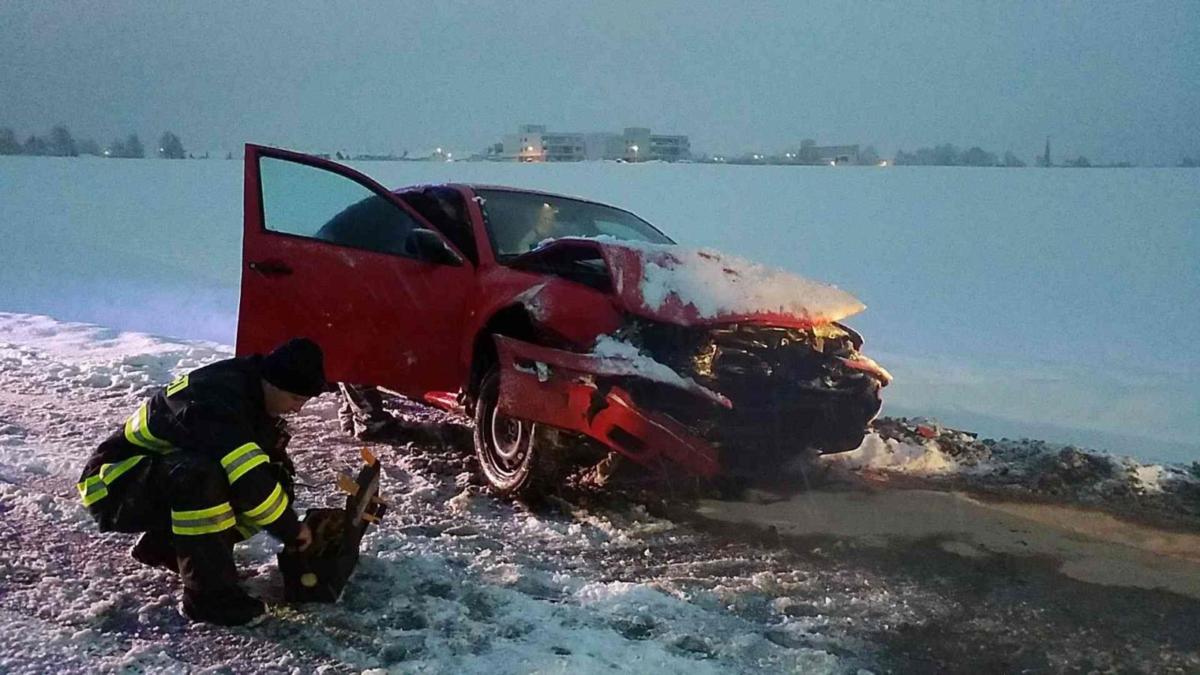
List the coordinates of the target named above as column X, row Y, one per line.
column 297, row 366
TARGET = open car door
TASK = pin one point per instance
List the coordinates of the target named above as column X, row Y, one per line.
column 329, row 254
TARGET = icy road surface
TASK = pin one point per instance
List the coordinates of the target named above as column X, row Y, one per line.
column 455, row 581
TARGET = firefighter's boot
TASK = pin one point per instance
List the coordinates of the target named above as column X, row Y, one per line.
column 228, row 607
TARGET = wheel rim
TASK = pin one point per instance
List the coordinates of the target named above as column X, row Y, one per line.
column 508, row 439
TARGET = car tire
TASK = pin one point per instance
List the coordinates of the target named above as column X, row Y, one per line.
column 511, row 458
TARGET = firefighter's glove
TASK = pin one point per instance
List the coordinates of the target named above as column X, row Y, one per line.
column 282, row 438
column 304, row 537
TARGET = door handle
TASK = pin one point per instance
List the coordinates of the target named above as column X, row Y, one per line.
column 270, row 268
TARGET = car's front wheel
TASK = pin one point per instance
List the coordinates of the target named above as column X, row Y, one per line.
column 513, row 461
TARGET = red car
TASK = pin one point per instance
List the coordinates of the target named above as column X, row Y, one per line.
column 540, row 314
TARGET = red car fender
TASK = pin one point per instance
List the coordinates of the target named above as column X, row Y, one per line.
column 569, row 310
column 558, row 388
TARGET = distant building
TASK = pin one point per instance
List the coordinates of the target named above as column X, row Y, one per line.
column 835, row 154
column 605, row 145
column 533, row 143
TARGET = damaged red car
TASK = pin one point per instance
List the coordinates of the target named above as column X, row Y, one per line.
column 562, row 326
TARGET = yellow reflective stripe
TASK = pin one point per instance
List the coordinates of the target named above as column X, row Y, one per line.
column 92, row 490
column 242, row 459
column 137, row 431
column 111, row 472
column 144, row 428
column 177, row 385
column 95, row 488
column 270, row 509
column 249, row 463
column 203, row 521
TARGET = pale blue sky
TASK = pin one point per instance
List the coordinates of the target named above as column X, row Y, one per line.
column 1110, row 80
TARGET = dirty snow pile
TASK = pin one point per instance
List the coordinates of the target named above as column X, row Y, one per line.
column 718, row 284
column 925, row 450
column 452, row 581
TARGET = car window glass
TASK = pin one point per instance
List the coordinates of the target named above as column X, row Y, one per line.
column 518, row 222
column 446, row 210
column 311, row 202
column 617, row 230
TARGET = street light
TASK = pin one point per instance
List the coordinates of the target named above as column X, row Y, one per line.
column 634, row 148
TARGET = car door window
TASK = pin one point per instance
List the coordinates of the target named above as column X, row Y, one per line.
column 307, row 201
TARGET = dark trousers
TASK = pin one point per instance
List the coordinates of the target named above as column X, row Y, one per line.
column 143, row 499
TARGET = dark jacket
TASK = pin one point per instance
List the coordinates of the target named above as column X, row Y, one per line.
column 216, row 411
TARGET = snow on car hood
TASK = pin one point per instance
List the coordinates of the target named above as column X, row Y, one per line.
column 686, row 286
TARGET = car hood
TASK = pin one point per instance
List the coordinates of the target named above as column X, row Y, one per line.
column 692, row 287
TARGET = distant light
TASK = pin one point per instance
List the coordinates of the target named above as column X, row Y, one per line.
column 633, row 148
column 439, row 151
column 832, row 163
column 883, row 163
column 529, row 149
column 106, row 153
column 161, row 150
column 449, row 155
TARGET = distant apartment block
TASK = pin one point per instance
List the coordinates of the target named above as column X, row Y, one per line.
column 533, row 143
column 827, row 154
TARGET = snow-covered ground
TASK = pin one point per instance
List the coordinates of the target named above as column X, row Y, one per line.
column 1057, row 305
column 844, row 581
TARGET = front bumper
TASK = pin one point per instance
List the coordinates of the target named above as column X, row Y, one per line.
column 561, row 389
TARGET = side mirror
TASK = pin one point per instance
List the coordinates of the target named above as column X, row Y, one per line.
column 428, row 246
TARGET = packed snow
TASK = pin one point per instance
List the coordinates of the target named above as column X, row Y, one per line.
column 451, row 582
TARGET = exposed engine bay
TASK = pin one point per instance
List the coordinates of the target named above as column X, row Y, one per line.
column 791, row 388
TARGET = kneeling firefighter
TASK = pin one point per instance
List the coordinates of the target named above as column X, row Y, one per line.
column 203, row 464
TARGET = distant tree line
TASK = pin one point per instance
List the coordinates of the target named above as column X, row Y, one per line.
column 948, row 154
column 60, row 143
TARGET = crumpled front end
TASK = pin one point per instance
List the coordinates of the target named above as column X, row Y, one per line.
column 740, row 399
column 791, row 389
column 584, row 393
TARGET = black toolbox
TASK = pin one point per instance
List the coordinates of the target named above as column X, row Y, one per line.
column 320, row 572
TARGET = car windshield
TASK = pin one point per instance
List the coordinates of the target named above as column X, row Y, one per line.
column 518, row 222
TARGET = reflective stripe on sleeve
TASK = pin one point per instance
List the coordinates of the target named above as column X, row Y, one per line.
column 204, row 521
column 137, row 431
column 241, row 460
column 95, row 488
column 177, row 385
column 92, row 490
column 270, row 509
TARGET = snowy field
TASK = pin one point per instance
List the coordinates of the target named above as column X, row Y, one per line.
column 1050, row 304
column 837, row 580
